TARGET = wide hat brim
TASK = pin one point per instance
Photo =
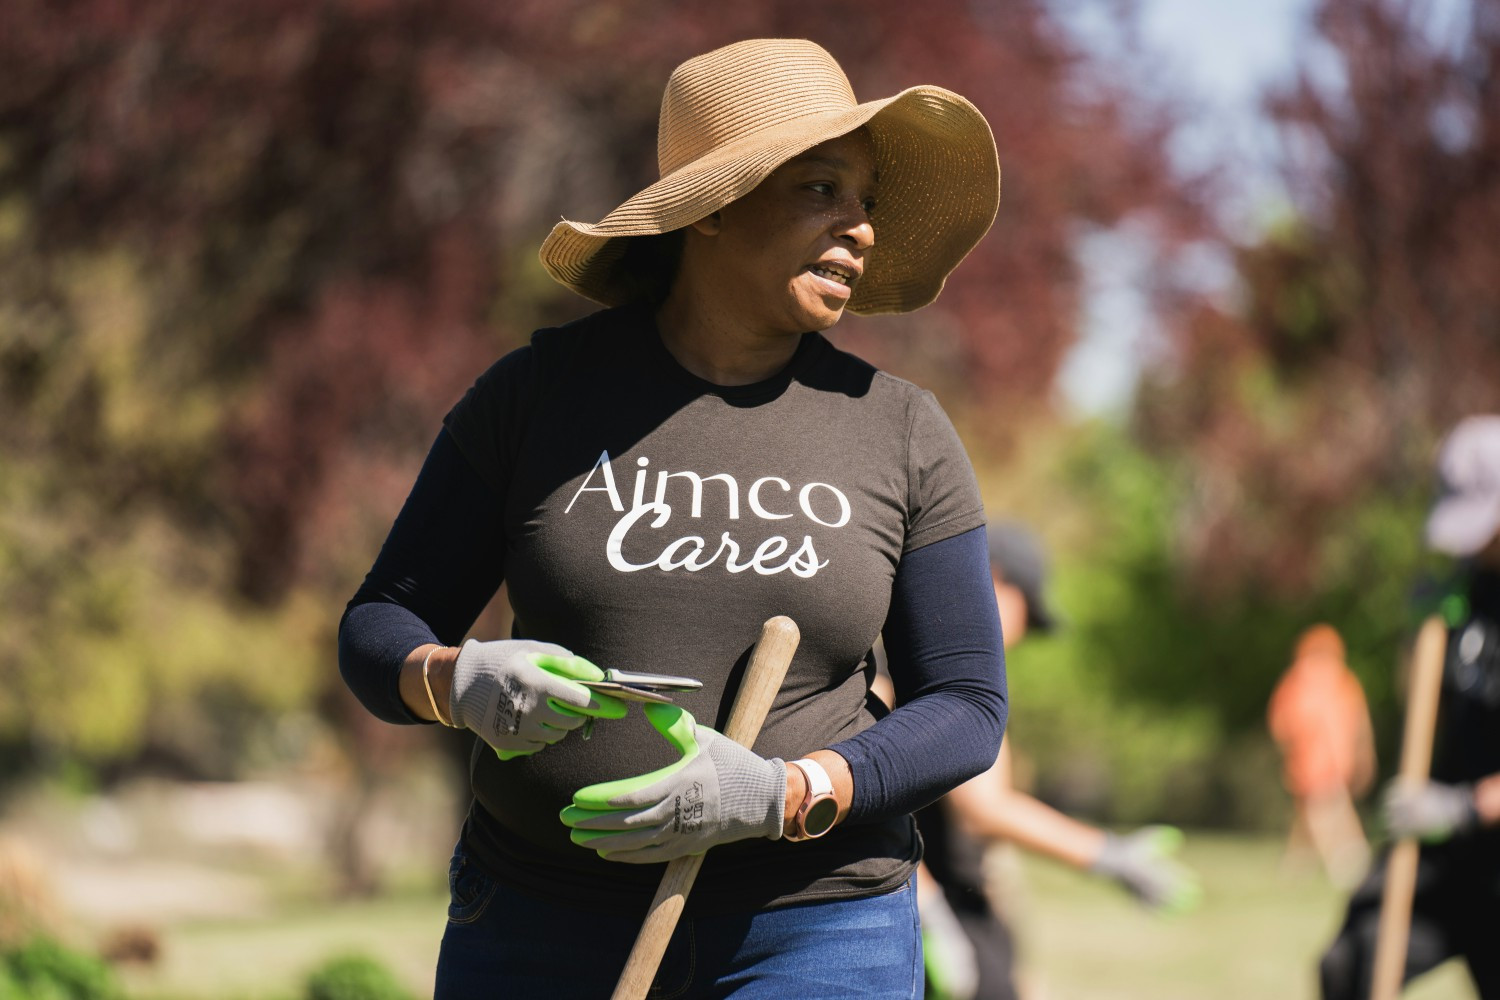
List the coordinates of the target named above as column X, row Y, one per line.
column 938, row 194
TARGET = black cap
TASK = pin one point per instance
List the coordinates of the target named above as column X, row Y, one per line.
column 1016, row 553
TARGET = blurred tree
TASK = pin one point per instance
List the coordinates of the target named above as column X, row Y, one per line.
column 1279, row 464
column 1371, row 316
column 1154, row 692
column 249, row 255
column 1081, row 151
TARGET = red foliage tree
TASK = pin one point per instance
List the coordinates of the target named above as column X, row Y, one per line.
column 1371, row 319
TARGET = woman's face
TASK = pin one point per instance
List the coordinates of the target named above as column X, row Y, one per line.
column 790, row 252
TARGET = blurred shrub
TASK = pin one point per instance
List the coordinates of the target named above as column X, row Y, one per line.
column 354, row 977
column 43, row 969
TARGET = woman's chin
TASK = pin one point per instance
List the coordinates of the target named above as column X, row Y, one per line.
column 822, row 312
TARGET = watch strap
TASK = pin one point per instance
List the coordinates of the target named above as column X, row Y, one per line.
column 819, row 790
column 818, row 781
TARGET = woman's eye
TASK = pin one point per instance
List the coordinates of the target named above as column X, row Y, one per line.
column 822, row 187
column 868, row 205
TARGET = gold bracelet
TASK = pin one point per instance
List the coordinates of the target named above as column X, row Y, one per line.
column 428, row 685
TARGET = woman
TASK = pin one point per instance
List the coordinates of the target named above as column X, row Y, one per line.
column 657, row 480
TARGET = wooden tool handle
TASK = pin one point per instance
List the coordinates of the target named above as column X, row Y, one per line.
column 1416, row 761
column 768, row 666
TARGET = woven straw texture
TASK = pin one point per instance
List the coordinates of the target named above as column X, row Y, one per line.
column 732, row 116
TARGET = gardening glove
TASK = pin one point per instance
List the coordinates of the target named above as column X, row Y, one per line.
column 518, row 695
column 947, row 952
column 718, row 792
column 1142, row 863
column 1429, row 810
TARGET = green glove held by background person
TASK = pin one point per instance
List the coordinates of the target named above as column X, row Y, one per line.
column 1142, row 863
column 1429, row 810
column 718, row 792
column 519, row 695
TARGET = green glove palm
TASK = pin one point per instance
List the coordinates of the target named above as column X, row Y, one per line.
column 1143, row 864
column 518, row 695
column 717, row 792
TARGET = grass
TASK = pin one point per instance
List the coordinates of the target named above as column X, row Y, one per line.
column 1258, row 934
column 269, row 958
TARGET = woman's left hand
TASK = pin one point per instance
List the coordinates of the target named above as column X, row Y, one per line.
column 718, row 792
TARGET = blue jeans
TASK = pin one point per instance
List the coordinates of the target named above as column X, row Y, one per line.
column 502, row 943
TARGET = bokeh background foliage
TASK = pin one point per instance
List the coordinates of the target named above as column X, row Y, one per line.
column 249, row 254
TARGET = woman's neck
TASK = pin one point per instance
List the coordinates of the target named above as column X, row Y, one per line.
column 716, row 348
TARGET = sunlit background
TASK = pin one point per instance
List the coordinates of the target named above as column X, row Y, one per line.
column 1243, row 278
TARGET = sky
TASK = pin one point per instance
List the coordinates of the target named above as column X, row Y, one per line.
column 1229, row 50
column 1224, row 53
column 1229, row 47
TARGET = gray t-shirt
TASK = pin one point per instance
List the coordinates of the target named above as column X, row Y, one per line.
column 653, row 521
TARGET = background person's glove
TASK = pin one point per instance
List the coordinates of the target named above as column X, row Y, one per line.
column 948, row 955
column 1430, row 810
column 718, row 792
column 1142, row 863
column 517, row 696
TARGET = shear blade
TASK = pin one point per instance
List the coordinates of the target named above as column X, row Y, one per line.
column 627, row 692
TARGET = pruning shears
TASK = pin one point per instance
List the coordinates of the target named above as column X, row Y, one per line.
column 628, row 685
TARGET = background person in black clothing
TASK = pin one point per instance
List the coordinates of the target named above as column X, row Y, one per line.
column 969, row 949
column 1456, row 909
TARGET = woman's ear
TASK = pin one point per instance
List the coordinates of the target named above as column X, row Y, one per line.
column 709, row 225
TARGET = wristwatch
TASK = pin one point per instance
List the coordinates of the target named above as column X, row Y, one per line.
column 819, row 808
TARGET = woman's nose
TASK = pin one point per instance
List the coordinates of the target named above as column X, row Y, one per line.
column 857, row 229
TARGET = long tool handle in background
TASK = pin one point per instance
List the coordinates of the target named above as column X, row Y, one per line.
column 768, row 664
column 1416, row 762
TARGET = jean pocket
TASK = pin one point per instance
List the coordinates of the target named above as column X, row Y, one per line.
column 469, row 890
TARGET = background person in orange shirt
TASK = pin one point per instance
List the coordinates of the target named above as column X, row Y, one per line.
column 1319, row 718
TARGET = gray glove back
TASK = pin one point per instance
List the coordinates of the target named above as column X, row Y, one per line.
column 1142, row 863
column 517, row 696
column 718, row 792
column 1431, row 810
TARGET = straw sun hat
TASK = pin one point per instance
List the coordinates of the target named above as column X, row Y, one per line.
column 732, row 116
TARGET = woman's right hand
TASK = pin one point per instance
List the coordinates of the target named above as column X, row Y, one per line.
column 519, row 695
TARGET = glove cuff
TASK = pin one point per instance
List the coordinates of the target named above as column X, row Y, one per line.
column 757, row 795
column 469, row 696
column 776, row 815
column 1470, row 819
column 1107, row 862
